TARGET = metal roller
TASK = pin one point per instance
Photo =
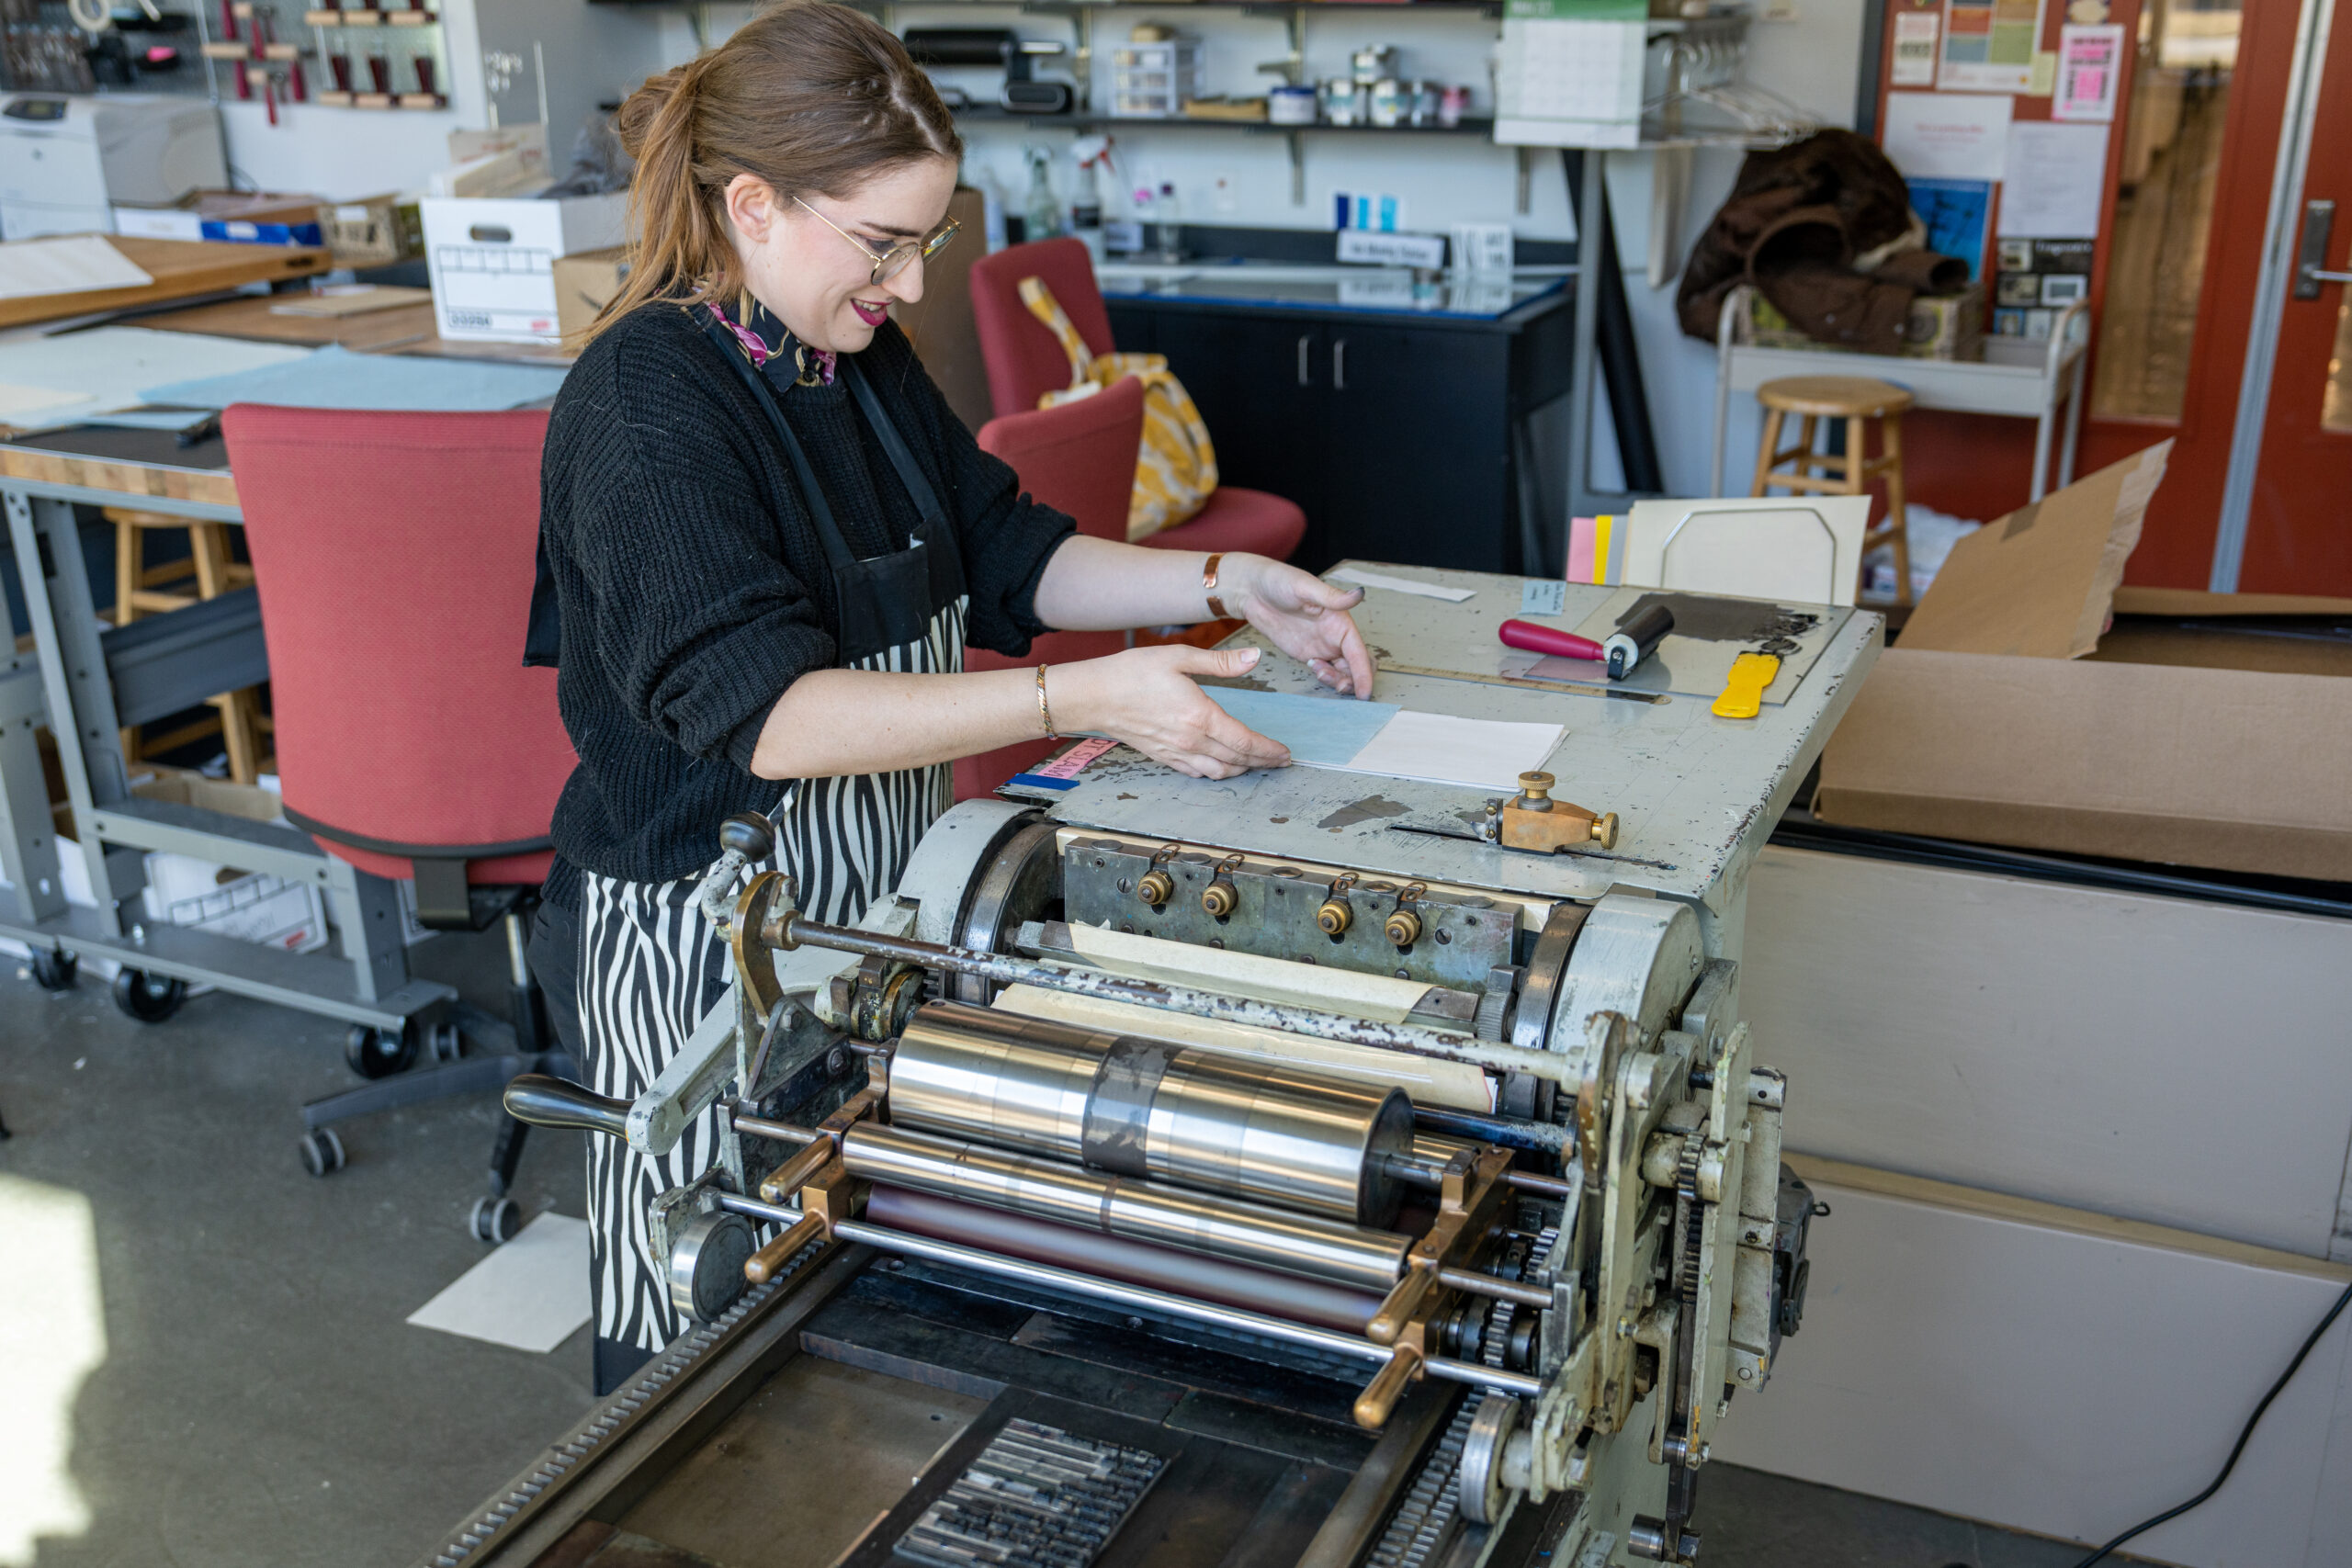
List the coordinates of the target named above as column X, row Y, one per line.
column 1262, row 1131
column 1269, row 1238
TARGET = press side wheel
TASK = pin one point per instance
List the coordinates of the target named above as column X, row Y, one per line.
column 495, row 1220
column 447, row 1042
column 54, row 969
column 321, row 1152
column 380, row 1053
column 150, row 999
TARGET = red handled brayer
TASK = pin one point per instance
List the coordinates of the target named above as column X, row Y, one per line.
column 1549, row 639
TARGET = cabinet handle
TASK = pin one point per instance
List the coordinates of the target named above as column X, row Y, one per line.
column 1339, row 366
column 1302, row 339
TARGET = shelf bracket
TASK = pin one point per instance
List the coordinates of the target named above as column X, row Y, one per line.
column 1526, row 196
column 1298, row 140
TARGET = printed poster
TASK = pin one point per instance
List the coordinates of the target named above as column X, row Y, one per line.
column 2090, row 66
column 1989, row 45
column 1915, row 48
column 1955, row 213
column 2056, row 184
column 1947, row 136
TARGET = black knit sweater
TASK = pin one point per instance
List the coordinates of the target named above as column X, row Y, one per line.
column 690, row 585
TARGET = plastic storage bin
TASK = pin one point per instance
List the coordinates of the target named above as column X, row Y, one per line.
column 1152, row 81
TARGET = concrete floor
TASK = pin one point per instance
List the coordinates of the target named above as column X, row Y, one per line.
column 258, row 1401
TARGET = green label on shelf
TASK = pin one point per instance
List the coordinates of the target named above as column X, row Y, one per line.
column 1578, row 10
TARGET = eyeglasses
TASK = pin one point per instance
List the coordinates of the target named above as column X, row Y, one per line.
column 888, row 264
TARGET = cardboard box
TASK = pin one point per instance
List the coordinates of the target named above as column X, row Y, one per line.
column 585, row 284
column 2188, row 733
column 1940, row 327
column 229, row 217
column 493, row 263
column 379, row 230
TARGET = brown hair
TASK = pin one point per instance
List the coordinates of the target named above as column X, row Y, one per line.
column 810, row 96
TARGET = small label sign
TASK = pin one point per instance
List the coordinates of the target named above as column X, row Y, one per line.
column 1541, row 598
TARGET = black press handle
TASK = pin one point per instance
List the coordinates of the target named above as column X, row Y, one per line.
column 544, row 1102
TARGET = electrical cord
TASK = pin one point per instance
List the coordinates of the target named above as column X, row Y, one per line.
column 2245, row 1436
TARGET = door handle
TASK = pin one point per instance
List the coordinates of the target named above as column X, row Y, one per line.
column 2319, row 221
column 1339, row 366
column 1303, row 340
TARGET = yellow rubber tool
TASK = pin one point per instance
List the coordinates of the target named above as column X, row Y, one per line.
column 1744, row 691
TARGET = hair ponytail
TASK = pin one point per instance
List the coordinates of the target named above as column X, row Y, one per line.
column 809, row 97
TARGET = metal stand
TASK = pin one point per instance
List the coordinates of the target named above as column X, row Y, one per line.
column 1612, row 359
column 85, row 682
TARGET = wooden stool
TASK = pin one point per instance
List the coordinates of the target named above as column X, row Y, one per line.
column 1855, row 399
column 138, row 586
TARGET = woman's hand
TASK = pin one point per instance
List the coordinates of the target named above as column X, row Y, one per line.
column 1305, row 617
column 1146, row 697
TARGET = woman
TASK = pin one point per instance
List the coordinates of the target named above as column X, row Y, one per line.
column 765, row 541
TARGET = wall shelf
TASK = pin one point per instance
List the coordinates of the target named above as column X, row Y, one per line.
column 986, row 115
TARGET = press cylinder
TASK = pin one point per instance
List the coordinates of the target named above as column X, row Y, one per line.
column 1263, row 1130
column 1267, row 1238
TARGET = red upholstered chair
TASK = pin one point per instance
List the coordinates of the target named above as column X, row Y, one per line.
column 1025, row 361
column 394, row 554
column 1079, row 458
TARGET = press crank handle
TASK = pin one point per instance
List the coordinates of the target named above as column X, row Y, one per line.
column 544, row 1102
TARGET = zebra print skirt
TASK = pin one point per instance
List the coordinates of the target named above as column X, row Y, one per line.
column 651, row 967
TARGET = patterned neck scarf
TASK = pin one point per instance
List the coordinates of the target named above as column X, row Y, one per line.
column 763, row 338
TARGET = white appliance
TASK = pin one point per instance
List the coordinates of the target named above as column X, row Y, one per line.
column 66, row 160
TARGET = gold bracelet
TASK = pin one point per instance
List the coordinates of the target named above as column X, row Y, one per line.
column 1044, row 714
column 1208, row 587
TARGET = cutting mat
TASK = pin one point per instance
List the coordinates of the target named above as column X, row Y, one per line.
column 181, row 269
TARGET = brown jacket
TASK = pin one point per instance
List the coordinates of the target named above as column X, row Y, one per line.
column 1796, row 222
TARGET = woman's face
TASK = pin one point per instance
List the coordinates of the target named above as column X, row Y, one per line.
column 816, row 276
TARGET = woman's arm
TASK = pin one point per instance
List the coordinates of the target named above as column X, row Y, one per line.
column 1095, row 585
column 831, row 722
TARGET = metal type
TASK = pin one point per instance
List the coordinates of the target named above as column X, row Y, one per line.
column 796, row 930
column 1251, row 1129
column 1443, row 1369
column 1268, row 1238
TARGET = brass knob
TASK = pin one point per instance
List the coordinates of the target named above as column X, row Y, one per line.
column 1535, row 792
column 1404, row 927
column 1604, row 830
column 1220, row 899
column 1335, row 917
column 1156, row 888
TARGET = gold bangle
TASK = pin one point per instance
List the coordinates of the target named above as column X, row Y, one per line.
column 1044, row 714
column 1208, row 587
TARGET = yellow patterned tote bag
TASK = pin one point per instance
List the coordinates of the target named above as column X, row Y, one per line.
column 1176, row 467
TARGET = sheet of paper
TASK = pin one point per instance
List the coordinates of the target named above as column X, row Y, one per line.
column 2057, row 182
column 1954, row 136
column 1439, row 747
column 2090, row 67
column 1362, row 578
column 1989, row 45
column 1320, row 731
column 530, row 1294
column 69, row 263
column 1542, row 597
column 104, row 368
column 335, row 378
column 1915, row 48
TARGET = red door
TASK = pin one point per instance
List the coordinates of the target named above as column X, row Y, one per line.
column 2299, row 526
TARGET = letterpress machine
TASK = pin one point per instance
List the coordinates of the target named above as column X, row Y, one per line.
column 1312, row 1168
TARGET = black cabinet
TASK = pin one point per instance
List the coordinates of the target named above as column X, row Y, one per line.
column 1402, row 438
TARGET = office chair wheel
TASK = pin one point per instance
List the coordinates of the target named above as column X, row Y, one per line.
column 321, row 1152
column 380, row 1053
column 448, row 1045
column 150, row 999
column 54, row 969
column 496, row 1220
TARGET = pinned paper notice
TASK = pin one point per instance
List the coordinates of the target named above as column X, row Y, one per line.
column 1362, row 578
column 1952, row 136
column 2057, row 183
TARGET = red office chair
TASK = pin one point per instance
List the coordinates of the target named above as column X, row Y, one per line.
column 394, row 556
column 1079, row 458
column 1026, row 362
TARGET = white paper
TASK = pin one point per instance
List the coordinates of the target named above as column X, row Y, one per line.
column 1949, row 136
column 1915, row 48
column 70, row 263
column 1401, row 585
column 529, row 1294
column 104, row 368
column 2090, row 67
column 1438, row 747
column 2057, row 181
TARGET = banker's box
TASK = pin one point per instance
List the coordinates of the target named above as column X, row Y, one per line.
column 493, row 262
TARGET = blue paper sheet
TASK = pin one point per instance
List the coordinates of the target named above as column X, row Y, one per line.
column 1320, row 731
column 335, row 378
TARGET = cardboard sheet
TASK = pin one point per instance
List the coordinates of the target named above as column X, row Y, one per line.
column 2039, row 582
column 530, row 1294
column 335, row 378
column 104, row 368
column 1321, row 732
